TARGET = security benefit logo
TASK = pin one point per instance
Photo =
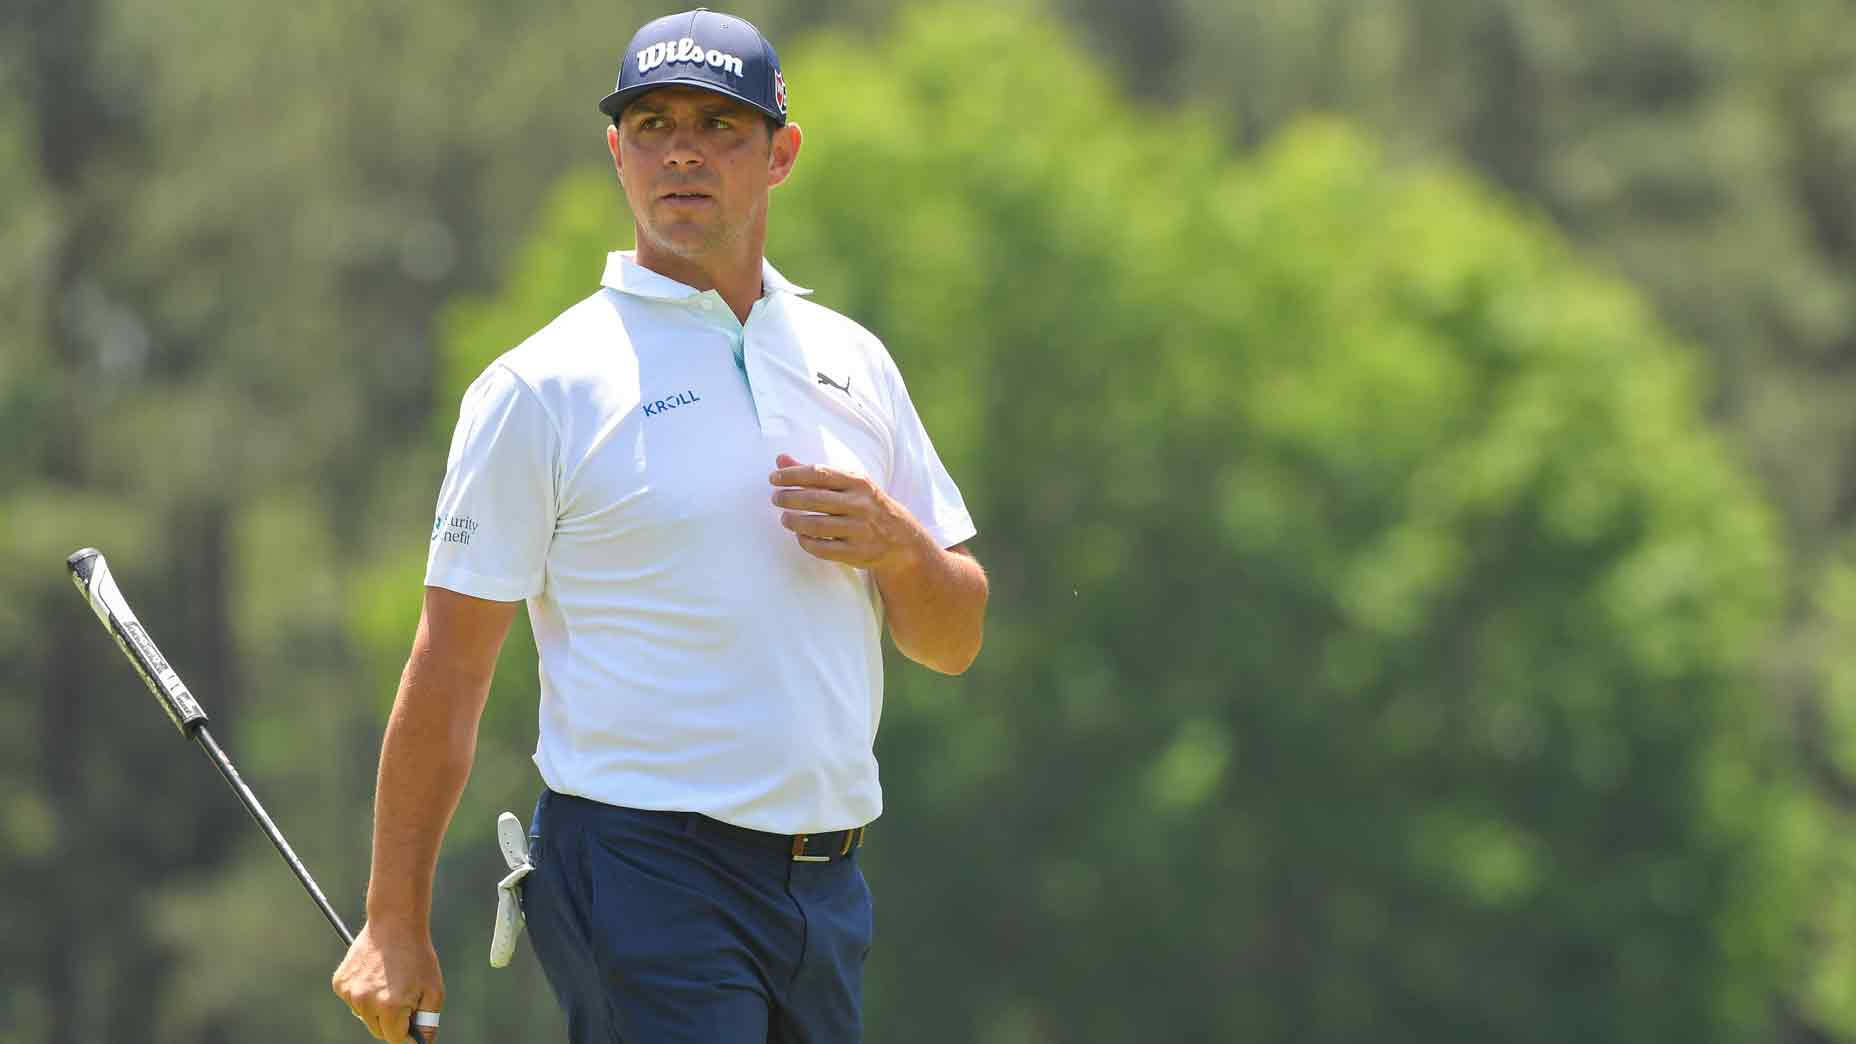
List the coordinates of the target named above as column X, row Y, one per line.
column 456, row 529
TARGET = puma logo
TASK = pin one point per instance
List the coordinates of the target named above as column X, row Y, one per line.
column 845, row 387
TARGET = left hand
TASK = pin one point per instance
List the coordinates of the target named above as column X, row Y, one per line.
column 844, row 517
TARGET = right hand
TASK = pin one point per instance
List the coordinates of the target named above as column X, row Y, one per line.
column 386, row 975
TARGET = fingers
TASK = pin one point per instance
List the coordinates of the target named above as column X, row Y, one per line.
column 834, row 550
column 824, row 527
column 418, row 1022
column 835, row 515
column 386, row 1016
column 422, row 1019
column 831, row 537
column 384, row 1020
column 797, row 474
column 823, row 501
column 396, row 1025
column 384, row 981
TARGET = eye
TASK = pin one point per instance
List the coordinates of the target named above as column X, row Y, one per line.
column 650, row 123
column 719, row 123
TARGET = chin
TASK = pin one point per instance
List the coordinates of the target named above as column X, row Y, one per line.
column 687, row 241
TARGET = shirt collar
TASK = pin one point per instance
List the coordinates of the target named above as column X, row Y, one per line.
column 627, row 276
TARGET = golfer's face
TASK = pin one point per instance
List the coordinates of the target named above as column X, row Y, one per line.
column 695, row 166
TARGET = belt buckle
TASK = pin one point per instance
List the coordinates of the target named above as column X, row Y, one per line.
column 853, row 838
column 799, row 851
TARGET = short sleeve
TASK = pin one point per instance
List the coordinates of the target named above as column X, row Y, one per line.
column 918, row 480
column 496, row 509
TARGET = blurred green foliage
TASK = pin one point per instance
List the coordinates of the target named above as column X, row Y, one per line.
column 1383, row 639
column 1363, row 582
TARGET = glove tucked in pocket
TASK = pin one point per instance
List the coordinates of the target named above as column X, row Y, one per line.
column 514, row 843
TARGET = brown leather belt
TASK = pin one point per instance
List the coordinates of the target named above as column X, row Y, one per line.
column 803, row 848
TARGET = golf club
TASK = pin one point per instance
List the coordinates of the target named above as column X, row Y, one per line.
column 90, row 571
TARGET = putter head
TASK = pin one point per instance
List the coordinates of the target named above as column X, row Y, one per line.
column 512, row 839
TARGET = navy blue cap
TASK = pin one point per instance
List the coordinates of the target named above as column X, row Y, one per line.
column 702, row 48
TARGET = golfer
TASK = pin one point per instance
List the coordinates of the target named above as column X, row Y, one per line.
column 713, row 495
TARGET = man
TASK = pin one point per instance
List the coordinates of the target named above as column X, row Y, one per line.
column 713, row 495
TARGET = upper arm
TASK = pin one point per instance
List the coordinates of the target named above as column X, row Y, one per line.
column 498, row 504
column 918, row 479
column 459, row 639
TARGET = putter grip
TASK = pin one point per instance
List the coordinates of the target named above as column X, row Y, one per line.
column 90, row 571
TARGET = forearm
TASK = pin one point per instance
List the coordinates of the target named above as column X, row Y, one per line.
column 425, row 759
column 935, row 605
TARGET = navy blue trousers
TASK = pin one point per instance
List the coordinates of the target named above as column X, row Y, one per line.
column 661, row 928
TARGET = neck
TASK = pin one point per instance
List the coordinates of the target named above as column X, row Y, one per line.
column 734, row 274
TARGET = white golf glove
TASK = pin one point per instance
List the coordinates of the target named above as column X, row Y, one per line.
column 514, row 843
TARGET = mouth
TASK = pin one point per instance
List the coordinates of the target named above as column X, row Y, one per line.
column 685, row 198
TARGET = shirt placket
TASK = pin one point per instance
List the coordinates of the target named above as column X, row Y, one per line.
column 764, row 383
column 713, row 312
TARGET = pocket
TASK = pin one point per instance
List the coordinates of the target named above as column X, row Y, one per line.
column 535, row 828
column 535, row 848
column 869, row 915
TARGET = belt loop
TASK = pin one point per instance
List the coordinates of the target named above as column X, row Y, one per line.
column 848, row 835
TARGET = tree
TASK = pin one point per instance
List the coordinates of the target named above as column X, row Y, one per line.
column 1375, row 619
column 228, row 234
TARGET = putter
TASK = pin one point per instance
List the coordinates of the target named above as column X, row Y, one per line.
column 90, row 571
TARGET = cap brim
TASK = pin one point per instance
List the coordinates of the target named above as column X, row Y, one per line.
column 614, row 103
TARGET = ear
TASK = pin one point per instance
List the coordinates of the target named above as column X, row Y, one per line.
column 783, row 154
column 612, row 144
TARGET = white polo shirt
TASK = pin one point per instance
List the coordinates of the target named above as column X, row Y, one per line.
column 612, row 470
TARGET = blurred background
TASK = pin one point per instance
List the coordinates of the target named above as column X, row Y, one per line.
column 1413, row 442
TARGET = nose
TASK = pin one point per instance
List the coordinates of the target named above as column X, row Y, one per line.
column 682, row 151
